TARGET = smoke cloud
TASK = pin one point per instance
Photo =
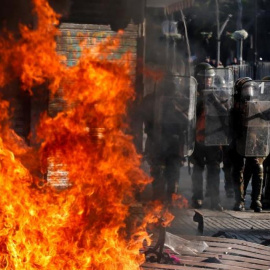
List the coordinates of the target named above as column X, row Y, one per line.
column 13, row 12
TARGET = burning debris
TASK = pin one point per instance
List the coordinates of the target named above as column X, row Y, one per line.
column 83, row 225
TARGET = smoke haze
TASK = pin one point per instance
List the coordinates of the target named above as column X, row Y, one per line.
column 13, row 12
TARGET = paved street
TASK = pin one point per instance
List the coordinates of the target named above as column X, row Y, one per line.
column 249, row 226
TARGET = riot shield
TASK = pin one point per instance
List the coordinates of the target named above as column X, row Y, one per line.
column 255, row 135
column 174, row 124
column 218, row 102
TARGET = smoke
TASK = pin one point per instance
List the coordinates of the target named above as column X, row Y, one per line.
column 61, row 6
column 13, row 12
column 239, row 15
column 166, row 47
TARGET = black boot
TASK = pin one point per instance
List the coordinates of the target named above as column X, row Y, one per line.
column 266, row 194
column 257, row 207
column 228, row 182
column 239, row 206
column 257, row 185
column 239, row 197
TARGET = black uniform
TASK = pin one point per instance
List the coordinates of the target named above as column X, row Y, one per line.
column 266, row 174
column 266, row 183
column 205, row 156
column 227, row 170
column 244, row 88
column 164, row 144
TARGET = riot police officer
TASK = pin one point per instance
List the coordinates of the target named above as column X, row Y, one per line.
column 246, row 150
column 226, row 161
column 166, row 116
column 203, row 155
column 266, row 174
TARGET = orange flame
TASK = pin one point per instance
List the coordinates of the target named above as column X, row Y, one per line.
column 179, row 201
column 83, row 225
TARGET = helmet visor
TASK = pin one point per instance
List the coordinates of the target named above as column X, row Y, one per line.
column 249, row 91
column 210, row 72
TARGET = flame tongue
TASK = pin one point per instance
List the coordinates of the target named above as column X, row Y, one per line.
column 83, row 225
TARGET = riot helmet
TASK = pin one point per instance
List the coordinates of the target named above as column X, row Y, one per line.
column 219, row 81
column 266, row 78
column 204, row 73
column 245, row 89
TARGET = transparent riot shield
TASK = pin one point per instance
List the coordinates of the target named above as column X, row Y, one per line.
column 175, row 120
column 255, row 136
column 218, row 102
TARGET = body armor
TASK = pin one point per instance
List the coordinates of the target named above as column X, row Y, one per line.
column 218, row 102
column 174, row 115
column 252, row 101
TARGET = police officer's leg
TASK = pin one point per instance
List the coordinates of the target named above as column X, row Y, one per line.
column 257, row 184
column 227, row 169
column 172, row 175
column 158, row 184
column 197, row 159
column 247, row 174
column 197, row 185
column 213, row 160
column 237, row 175
column 266, row 183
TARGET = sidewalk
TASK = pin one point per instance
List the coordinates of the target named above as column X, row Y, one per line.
column 247, row 225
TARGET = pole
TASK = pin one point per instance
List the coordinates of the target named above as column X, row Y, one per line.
column 187, row 42
column 255, row 40
column 241, row 52
column 218, row 32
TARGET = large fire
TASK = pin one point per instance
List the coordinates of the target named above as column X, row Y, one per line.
column 83, row 225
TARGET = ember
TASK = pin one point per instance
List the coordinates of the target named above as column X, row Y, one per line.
column 83, row 225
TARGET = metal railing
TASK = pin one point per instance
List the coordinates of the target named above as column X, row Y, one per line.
column 248, row 70
column 239, row 71
column 263, row 69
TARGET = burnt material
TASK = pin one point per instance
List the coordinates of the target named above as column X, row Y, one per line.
column 155, row 254
column 198, row 217
column 222, row 253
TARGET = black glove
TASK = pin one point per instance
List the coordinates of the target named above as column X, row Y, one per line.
column 265, row 115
